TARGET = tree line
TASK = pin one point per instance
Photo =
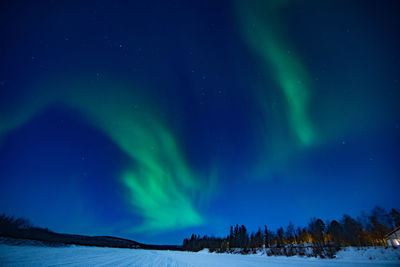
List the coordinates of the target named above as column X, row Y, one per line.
column 324, row 237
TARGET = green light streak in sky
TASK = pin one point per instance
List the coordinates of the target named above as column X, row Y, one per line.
column 161, row 186
column 261, row 24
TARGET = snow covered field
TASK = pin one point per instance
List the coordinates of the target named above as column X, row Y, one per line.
column 95, row 256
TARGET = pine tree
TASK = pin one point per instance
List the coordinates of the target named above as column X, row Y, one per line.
column 266, row 237
column 353, row 231
column 317, row 230
column 290, row 233
column 280, row 237
column 395, row 214
column 378, row 231
column 258, row 238
column 335, row 230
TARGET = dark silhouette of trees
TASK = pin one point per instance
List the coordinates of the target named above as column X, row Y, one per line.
column 257, row 239
column 10, row 223
column 280, row 240
column 269, row 237
column 21, row 229
column 377, row 232
column 324, row 238
column 382, row 216
column 395, row 217
column 317, row 231
column 336, row 234
column 353, row 231
column 290, row 234
column 243, row 237
column 197, row 243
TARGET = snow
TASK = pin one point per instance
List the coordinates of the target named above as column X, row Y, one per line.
column 96, row 256
column 370, row 253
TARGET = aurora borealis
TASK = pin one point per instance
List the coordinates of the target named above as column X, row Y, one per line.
column 268, row 40
column 152, row 120
column 159, row 178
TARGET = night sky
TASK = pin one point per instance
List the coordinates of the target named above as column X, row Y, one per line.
column 153, row 120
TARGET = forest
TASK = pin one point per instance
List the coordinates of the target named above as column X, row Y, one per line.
column 318, row 238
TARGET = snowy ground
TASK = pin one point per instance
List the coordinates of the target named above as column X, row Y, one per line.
column 95, row 256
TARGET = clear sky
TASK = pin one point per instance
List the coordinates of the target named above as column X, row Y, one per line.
column 153, row 120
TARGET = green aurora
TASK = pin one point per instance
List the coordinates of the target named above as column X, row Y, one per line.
column 159, row 179
column 261, row 24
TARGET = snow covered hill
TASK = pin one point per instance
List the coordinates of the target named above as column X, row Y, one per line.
column 97, row 256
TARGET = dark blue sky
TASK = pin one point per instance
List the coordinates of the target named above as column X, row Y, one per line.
column 153, row 120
